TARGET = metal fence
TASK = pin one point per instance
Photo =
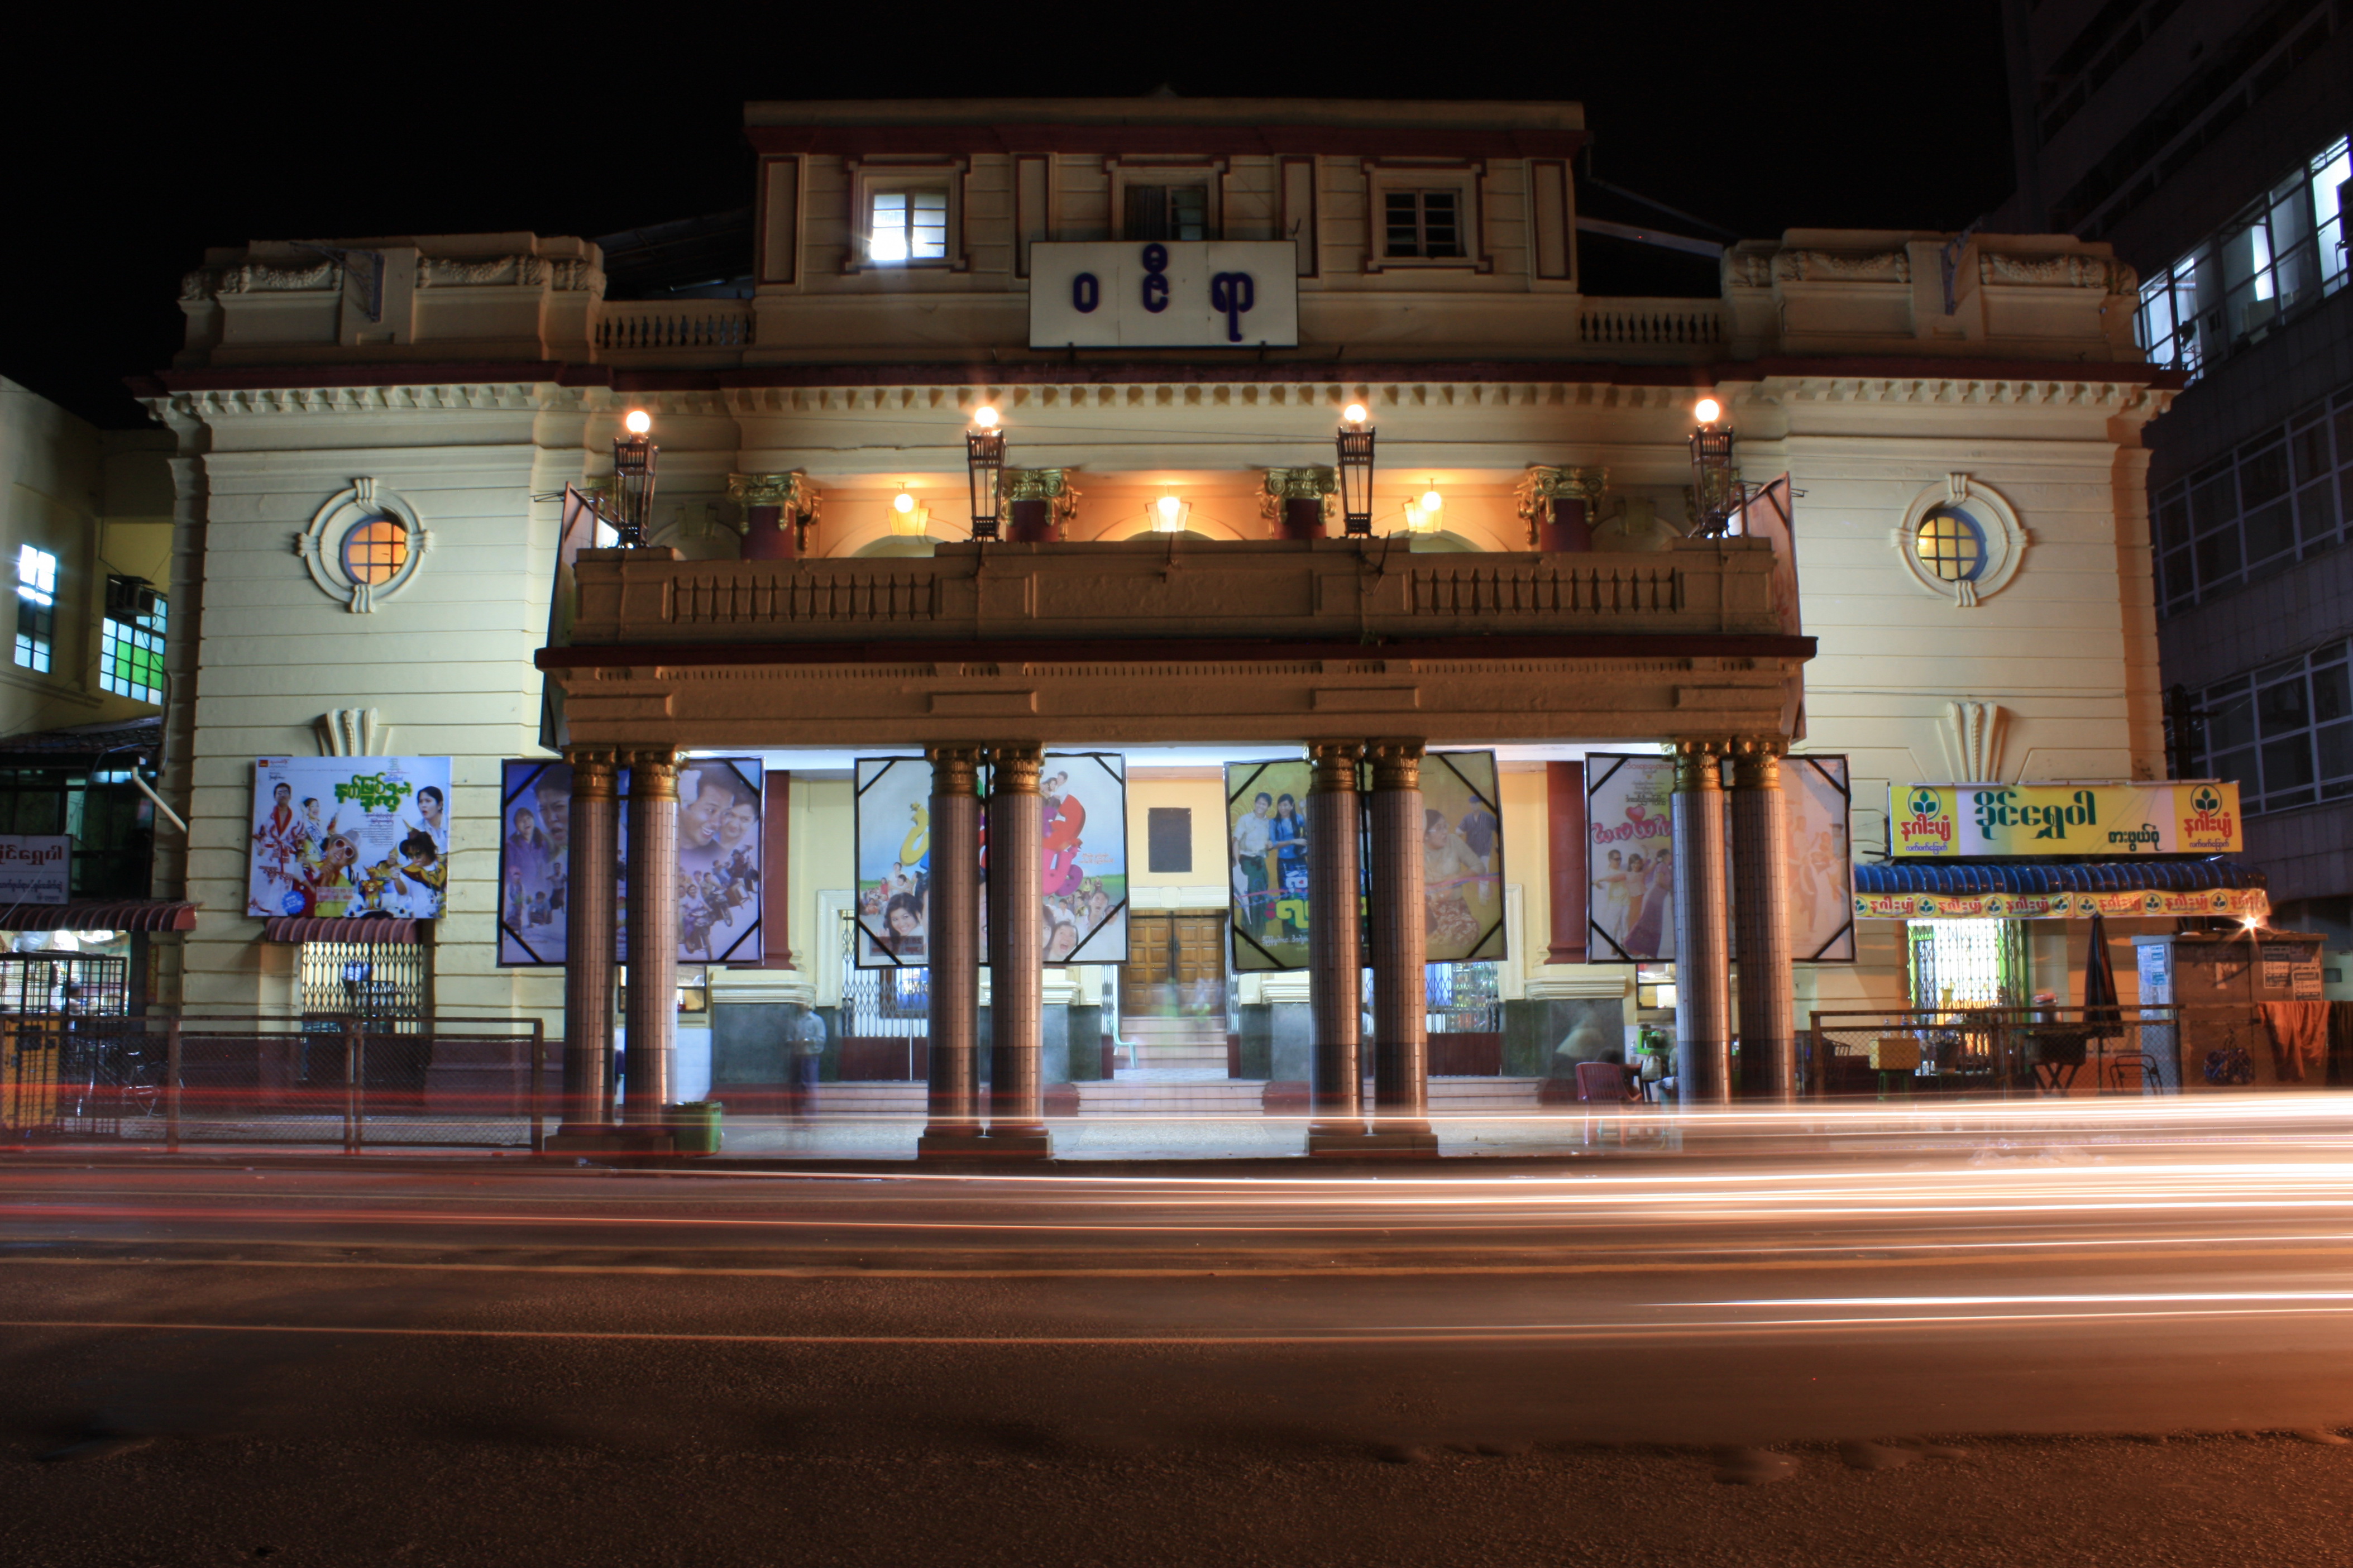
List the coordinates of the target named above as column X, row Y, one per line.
column 247, row 1079
column 2007, row 1051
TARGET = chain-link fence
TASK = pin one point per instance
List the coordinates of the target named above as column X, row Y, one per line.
column 2007, row 1051
column 350, row 1082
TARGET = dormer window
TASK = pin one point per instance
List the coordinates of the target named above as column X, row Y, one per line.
column 907, row 224
column 1167, row 212
column 1427, row 224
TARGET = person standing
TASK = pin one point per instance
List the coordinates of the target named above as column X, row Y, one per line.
column 805, row 1038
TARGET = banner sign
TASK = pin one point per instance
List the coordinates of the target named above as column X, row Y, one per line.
column 36, row 868
column 1629, row 818
column 1630, row 858
column 2240, row 903
column 1083, row 876
column 1952, row 822
column 1817, row 796
column 1164, row 293
column 345, row 837
column 1461, row 857
column 719, row 818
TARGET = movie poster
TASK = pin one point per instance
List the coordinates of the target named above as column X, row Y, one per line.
column 1630, row 864
column 1082, row 874
column 337, row 837
column 1266, row 835
column 719, row 819
column 1818, row 795
column 1462, row 859
column 1462, row 853
column 1629, row 860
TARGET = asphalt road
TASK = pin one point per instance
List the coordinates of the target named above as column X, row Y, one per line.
column 1950, row 1358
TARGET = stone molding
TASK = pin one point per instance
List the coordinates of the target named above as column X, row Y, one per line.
column 2067, row 270
column 1838, row 266
column 320, row 543
column 2006, row 539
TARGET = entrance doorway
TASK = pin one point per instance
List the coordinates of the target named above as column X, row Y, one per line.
column 1175, row 965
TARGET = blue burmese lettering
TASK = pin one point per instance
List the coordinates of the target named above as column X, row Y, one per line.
column 1232, row 293
column 1086, row 293
column 1155, row 280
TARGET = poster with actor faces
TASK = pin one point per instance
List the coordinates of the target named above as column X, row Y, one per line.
column 1629, row 818
column 337, row 837
column 719, row 861
column 1267, row 806
column 1082, row 871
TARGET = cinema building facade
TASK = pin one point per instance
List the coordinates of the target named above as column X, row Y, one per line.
column 1024, row 433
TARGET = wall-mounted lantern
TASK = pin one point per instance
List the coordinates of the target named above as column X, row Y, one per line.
column 1356, row 465
column 984, row 447
column 633, row 477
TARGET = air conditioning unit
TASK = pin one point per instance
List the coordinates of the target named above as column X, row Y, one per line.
column 127, row 597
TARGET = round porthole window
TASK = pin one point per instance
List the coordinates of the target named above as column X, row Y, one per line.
column 1960, row 541
column 1951, row 545
column 374, row 550
column 365, row 545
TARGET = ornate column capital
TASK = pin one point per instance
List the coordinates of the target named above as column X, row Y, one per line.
column 789, row 490
column 955, row 770
column 1284, row 485
column 1335, row 763
column 1017, row 767
column 1040, row 484
column 1397, row 764
column 595, row 773
column 1699, row 765
column 1757, row 762
column 653, row 773
column 1543, row 484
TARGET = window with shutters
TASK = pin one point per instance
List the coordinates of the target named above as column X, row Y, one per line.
column 907, row 225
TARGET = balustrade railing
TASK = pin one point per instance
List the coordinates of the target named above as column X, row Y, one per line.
column 1503, row 590
column 674, row 324
column 1694, row 324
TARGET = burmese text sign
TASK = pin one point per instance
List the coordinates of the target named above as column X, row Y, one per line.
column 1953, row 822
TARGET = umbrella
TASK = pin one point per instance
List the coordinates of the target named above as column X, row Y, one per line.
column 2100, row 1011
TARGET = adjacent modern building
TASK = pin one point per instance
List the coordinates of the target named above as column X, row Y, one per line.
column 2207, row 145
column 1165, row 310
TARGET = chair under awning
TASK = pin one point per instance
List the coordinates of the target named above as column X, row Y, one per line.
column 361, row 928
column 101, row 914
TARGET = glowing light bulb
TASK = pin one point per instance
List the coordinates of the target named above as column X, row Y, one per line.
column 1707, row 411
column 902, row 503
column 638, row 422
column 1354, row 414
column 1432, row 501
column 1169, row 507
column 984, row 417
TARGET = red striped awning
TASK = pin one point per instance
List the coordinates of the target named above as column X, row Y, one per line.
column 321, row 928
column 101, row 914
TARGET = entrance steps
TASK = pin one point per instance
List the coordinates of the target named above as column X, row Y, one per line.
column 1194, row 1044
column 1192, row 1092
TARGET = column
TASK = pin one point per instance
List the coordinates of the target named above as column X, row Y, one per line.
column 653, row 1014
column 1761, row 922
column 1039, row 504
column 589, row 911
column 1293, row 503
column 1335, row 939
column 1703, row 966
column 1017, row 976
column 1401, row 943
column 954, row 1097
column 776, row 509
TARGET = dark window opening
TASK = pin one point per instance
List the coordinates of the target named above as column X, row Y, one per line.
column 1168, row 838
column 1422, row 223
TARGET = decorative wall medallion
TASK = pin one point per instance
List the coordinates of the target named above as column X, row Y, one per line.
column 1960, row 541
column 363, row 546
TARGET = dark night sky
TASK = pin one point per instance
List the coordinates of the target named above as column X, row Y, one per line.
column 129, row 157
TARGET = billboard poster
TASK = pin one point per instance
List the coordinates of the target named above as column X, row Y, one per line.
column 36, row 868
column 1630, row 858
column 1951, row 821
column 1462, row 848
column 345, row 837
column 1462, row 859
column 1082, row 873
column 1818, row 794
column 719, row 896
column 893, row 831
column 1266, row 835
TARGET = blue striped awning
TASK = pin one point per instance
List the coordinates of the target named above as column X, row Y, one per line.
column 1977, row 878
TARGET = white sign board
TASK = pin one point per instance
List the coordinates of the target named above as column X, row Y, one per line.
column 1172, row 294
column 36, row 868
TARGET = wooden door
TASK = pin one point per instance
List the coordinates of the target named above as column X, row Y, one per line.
column 1151, row 962
column 1199, row 949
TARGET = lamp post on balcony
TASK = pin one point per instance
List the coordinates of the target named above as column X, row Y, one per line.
column 984, row 447
column 633, row 477
column 1716, row 483
column 1355, row 445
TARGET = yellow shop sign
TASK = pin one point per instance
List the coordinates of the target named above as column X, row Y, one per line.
column 1950, row 822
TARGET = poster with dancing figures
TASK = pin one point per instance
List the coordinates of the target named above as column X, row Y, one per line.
column 1082, row 873
column 1630, row 895
column 337, row 837
column 1267, row 804
column 719, row 819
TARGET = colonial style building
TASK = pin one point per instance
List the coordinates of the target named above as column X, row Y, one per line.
column 1167, row 309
